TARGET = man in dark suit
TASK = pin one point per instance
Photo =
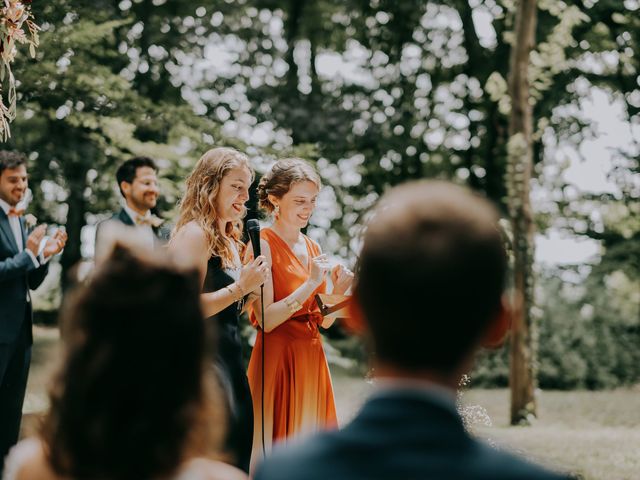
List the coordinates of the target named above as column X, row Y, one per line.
column 138, row 184
column 430, row 292
column 23, row 266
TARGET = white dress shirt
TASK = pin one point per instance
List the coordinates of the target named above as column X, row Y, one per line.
column 14, row 223
column 146, row 230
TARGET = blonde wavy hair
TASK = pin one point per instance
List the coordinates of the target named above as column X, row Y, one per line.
column 198, row 203
column 282, row 176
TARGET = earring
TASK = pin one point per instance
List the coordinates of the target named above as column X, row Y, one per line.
column 276, row 211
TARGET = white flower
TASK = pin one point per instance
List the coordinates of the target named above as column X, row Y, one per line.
column 30, row 220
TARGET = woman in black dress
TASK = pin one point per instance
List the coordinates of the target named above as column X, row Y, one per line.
column 208, row 234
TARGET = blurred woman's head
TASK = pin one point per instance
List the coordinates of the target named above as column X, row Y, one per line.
column 131, row 400
column 289, row 191
column 216, row 191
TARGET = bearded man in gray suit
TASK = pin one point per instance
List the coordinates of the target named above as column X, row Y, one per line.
column 138, row 184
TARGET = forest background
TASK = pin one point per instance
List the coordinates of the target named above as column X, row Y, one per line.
column 374, row 93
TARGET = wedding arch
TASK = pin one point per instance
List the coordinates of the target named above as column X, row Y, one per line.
column 17, row 26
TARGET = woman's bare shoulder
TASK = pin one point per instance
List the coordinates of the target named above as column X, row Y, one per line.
column 191, row 230
column 191, row 234
column 27, row 461
column 205, row 469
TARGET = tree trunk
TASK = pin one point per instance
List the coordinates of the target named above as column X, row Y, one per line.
column 519, row 169
column 292, row 29
column 76, row 174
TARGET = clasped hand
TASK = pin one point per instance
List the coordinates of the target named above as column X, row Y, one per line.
column 342, row 279
column 319, row 268
column 254, row 274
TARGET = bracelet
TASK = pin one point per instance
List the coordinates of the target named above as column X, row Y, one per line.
column 235, row 295
column 293, row 305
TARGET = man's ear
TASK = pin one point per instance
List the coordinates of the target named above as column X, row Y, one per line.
column 355, row 323
column 500, row 325
column 126, row 188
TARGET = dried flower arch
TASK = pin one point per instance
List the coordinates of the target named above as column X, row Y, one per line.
column 16, row 26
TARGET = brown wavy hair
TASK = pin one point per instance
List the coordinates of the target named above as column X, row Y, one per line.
column 198, row 203
column 282, row 176
column 132, row 399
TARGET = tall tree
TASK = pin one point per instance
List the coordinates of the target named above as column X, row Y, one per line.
column 82, row 116
column 519, row 170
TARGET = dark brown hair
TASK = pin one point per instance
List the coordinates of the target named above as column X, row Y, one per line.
column 431, row 274
column 11, row 159
column 283, row 174
column 128, row 170
column 130, row 400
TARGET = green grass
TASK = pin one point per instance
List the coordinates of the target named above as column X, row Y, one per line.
column 44, row 356
column 593, row 434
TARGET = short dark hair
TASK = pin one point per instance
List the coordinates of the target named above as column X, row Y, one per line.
column 431, row 274
column 131, row 392
column 127, row 171
column 11, row 159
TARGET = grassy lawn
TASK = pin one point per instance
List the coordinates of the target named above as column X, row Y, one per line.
column 593, row 434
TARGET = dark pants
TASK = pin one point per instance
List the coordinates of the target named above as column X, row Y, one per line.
column 14, row 369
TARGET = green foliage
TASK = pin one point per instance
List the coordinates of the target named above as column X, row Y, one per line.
column 81, row 117
column 589, row 333
column 419, row 92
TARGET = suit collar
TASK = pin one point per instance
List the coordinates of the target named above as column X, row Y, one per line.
column 5, row 207
column 416, row 396
column 406, row 407
column 23, row 231
column 5, row 228
column 125, row 218
column 430, row 389
column 133, row 215
column 159, row 232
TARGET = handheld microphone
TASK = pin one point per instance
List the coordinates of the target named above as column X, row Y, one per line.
column 253, row 229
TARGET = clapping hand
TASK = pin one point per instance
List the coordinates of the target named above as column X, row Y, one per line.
column 55, row 243
column 342, row 279
column 34, row 239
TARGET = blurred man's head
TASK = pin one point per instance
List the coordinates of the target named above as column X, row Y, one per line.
column 138, row 183
column 13, row 176
column 431, row 276
column 134, row 369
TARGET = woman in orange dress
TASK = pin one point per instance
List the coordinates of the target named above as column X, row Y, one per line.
column 298, row 395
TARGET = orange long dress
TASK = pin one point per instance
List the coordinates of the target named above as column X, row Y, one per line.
column 298, row 395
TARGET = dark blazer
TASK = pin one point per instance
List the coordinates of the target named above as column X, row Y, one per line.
column 18, row 274
column 162, row 233
column 399, row 435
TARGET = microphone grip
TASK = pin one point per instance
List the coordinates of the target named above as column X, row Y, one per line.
column 255, row 242
column 253, row 229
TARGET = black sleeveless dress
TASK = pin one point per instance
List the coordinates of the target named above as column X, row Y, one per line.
column 230, row 369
